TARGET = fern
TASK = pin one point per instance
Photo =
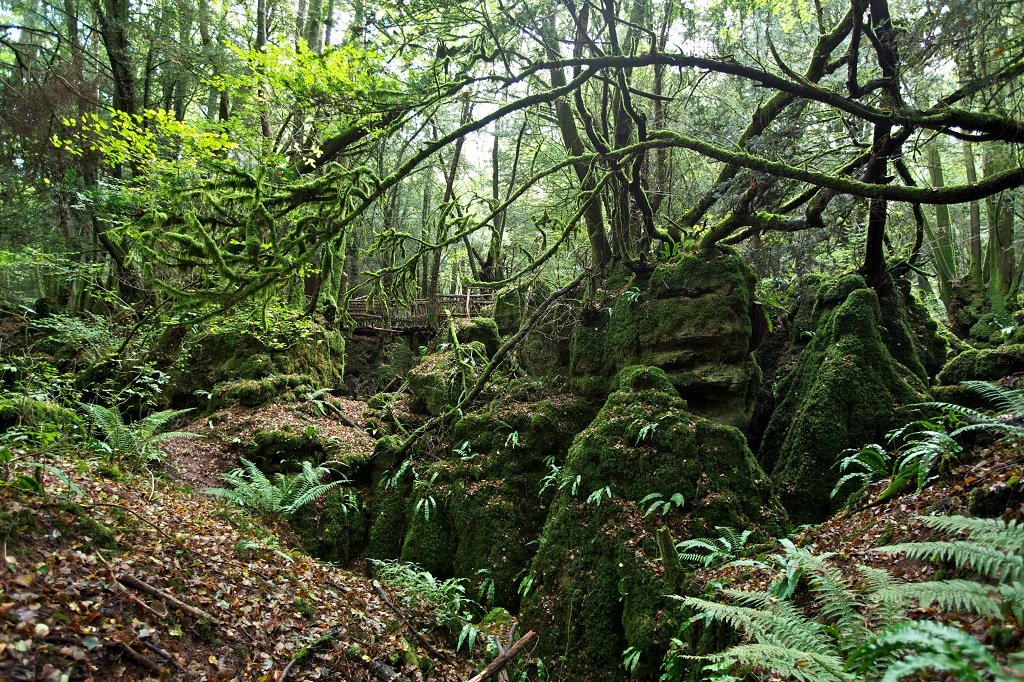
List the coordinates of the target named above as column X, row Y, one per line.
column 860, row 631
column 784, row 640
column 135, row 443
column 713, row 551
column 992, row 550
column 988, row 561
column 285, row 495
column 935, row 647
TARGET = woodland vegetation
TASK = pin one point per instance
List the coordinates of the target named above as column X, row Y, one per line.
column 683, row 335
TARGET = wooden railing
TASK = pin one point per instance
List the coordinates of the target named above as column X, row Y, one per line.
column 422, row 314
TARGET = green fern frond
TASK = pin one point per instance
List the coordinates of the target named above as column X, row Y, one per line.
column 149, row 426
column 787, row 662
column 1005, row 400
column 1006, row 535
column 111, row 426
column 926, row 646
column 985, row 560
column 949, row 595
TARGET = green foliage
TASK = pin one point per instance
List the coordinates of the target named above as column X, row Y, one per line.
column 284, row 495
column 446, row 600
column 924, row 447
column 713, row 551
column 858, row 629
column 134, row 444
column 657, row 501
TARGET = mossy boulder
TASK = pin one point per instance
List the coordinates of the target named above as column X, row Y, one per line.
column 480, row 508
column 29, row 413
column 841, row 394
column 441, row 377
column 255, row 392
column 372, row 367
column 482, row 330
column 599, row 582
column 988, row 364
column 335, row 527
column 281, row 449
column 248, row 352
column 692, row 318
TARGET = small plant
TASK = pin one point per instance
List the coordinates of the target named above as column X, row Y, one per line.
column 485, row 595
column 446, row 599
column 552, row 477
column 630, row 659
column 631, row 295
column 465, row 452
column 657, row 502
column 645, row 430
column 599, row 494
column 284, row 495
column 512, row 441
column 322, row 403
column 713, row 551
column 135, row 443
column 525, row 586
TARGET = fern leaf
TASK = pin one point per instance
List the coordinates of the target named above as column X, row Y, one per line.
column 982, row 559
column 950, row 595
column 1005, row 400
column 787, row 662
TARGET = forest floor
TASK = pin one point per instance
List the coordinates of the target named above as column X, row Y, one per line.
column 143, row 579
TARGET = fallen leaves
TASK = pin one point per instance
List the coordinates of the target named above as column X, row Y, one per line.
column 69, row 610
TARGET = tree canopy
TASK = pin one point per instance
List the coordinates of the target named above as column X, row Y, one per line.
column 304, row 151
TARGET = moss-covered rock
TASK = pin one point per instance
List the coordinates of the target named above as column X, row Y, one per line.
column 480, row 508
column 372, row 367
column 599, row 583
column 841, row 394
column 988, row 364
column 251, row 353
column 691, row 319
column 36, row 415
column 442, row 376
column 336, row 527
column 482, row 330
column 255, row 392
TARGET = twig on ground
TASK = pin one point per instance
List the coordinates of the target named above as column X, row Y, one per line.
column 137, row 584
column 405, row 621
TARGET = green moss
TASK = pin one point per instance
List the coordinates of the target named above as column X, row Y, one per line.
column 984, row 365
column 841, row 394
column 387, row 519
column 277, row 449
column 36, row 415
column 599, row 581
column 692, row 320
column 255, row 392
column 437, row 382
column 483, row 330
column 213, row 356
column 335, row 528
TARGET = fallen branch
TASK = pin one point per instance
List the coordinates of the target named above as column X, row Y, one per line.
column 138, row 659
column 405, row 621
column 145, row 588
column 161, row 653
column 502, row 660
column 115, row 585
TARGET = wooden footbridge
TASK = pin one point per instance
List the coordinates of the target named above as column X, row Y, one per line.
column 419, row 315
